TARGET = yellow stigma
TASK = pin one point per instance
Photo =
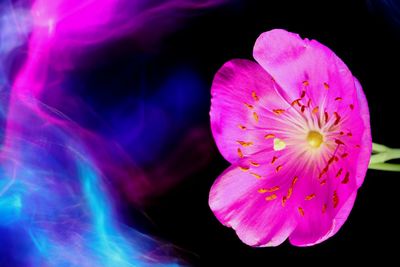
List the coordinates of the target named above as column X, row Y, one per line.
column 315, row 139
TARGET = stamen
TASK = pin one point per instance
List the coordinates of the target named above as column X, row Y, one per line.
column 256, row 175
column 296, row 102
column 284, row 199
column 279, row 168
column 271, row 197
column 344, row 155
column 268, row 190
column 274, row 158
column 240, row 153
column 242, row 127
column 294, row 180
column 351, row 106
column 338, row 98
column 339, row 172
column 309, row 197
column 273, row 189
column 337, row 120
column 326, row 115
column 255, row 164
column 245, row 169
column 249, row 106
column 303, row 94
column 255, row 116
column 254, row 96
column 315, row 110
column 306, row 83
column 301, row 211
column 346, row 178
column 245, row 144
column 335, row 199
column 324, row 170
column 268, row 136
column 278, row 111
column 290, row 191
column 326, row 86
column 339, row 142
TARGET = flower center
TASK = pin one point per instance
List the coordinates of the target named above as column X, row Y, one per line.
column 315, row 139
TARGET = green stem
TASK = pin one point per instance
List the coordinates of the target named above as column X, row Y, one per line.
column 381, row 154
column 379, row 148
column 385, row 167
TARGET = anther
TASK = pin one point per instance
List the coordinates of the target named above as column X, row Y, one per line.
column 309, row 197
column 240, row 153
column 339, row 142
column 335, row 199
column 326, row 116
column 339, row 172
column 255, row 164
column 249, row 106
column 271, row 197
column 255, row 116
column 301, row 211
column 337, row 120
column 245, row 169
column 296, row 102
column 254, row 96
column 256, row 175
column 278, row 111
column 268, row 136
column 278, row 168
column 245, row 144
column 346, row 178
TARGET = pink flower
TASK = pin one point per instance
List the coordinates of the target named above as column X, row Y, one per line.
column 296, row 129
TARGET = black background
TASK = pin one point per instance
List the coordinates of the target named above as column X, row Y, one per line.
column 366, row 35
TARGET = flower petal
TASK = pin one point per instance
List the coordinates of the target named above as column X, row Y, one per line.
column 304, row 65
column 262, row 209
column 245, row 109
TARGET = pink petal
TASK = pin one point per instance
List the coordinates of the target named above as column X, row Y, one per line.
column 294, row 62
column 259, row 218
column 242, row 90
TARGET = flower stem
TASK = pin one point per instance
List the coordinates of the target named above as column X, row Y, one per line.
column 385, row 167
column 380, row 155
